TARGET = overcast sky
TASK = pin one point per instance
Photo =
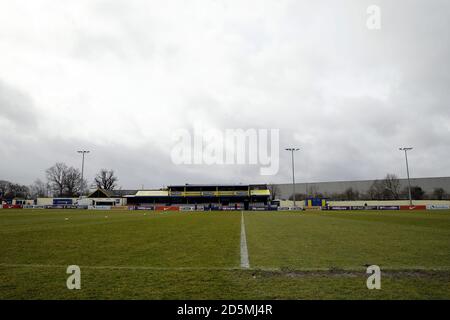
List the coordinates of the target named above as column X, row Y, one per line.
column 119, row 77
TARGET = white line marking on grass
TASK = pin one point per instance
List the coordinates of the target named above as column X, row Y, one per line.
column 245, row 263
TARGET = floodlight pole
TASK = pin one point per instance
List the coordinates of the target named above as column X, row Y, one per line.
column 293, row 171
column 83, row 152
column 407, row 172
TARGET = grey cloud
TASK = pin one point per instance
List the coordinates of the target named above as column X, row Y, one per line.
column 348, row 96
column 17, row 108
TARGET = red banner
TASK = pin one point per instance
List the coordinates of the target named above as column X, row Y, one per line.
column 420, row 207
column 12, row 206
column 167, row 208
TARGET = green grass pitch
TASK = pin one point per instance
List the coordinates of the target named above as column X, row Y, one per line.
column 293, row 255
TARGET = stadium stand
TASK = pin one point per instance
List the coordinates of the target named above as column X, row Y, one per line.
column 210, row 197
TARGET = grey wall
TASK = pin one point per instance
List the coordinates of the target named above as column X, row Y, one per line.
column 427, row 184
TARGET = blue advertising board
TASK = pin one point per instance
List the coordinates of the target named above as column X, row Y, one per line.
column 59, row 201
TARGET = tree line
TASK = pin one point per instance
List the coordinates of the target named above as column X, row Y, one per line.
column 61, row 181
column 388, row 188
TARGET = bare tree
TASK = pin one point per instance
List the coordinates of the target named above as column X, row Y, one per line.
column 106, row 179
column 4, row 187
column 391, row 186
column 39, row 189
column 72, row 181
column 16, row 190
column 56, row 176
column 64, row 180
column 386, row 189
column 376, row 190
